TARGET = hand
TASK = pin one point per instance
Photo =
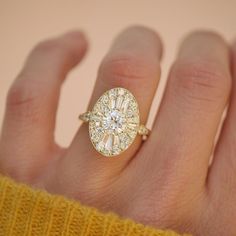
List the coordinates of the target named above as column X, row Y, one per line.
column 166, row 181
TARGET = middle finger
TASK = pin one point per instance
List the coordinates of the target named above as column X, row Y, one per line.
column 199, row 85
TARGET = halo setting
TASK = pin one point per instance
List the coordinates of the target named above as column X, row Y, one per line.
column 114, row 122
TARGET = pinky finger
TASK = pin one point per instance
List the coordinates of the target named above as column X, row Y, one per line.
column 28, row 128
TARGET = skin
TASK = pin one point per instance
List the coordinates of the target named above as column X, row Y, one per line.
column 181, row 178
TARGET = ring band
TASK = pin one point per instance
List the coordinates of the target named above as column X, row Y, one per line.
column 114, row 122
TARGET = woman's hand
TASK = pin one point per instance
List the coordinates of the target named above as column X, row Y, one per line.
column 166, row 181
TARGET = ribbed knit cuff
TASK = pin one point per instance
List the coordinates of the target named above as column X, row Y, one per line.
column 25, row 211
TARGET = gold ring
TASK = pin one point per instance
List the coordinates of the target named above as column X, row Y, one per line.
column 114, row 122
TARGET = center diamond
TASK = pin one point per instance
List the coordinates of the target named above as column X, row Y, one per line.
column 114, row 121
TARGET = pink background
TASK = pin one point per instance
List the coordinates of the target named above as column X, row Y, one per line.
column 24, row 23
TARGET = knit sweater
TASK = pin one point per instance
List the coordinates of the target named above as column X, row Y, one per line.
column 26, row 211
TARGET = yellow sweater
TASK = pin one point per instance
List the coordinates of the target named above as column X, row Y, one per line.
column 26, row 211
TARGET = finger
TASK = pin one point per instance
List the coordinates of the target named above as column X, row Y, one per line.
column 28, row 128
column 222, row 173
column 196, row 95
column 132, row 63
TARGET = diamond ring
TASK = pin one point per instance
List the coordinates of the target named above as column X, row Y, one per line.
column 114, row 122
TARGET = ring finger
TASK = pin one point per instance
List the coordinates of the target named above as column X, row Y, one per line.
column 133, row 62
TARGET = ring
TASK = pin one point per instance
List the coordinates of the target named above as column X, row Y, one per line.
column 114, row 122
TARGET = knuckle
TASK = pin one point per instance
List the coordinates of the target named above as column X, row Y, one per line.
column 63, row 54
column 201, row 81
column 53, row 49
column 17, row 94
column 47, row 46
column 124, row 68
column 21, row 99
column 206, row 34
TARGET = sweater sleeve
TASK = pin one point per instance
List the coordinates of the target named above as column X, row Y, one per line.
column 26, row 211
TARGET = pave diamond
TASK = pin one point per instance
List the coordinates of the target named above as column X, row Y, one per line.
column 114, row 122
